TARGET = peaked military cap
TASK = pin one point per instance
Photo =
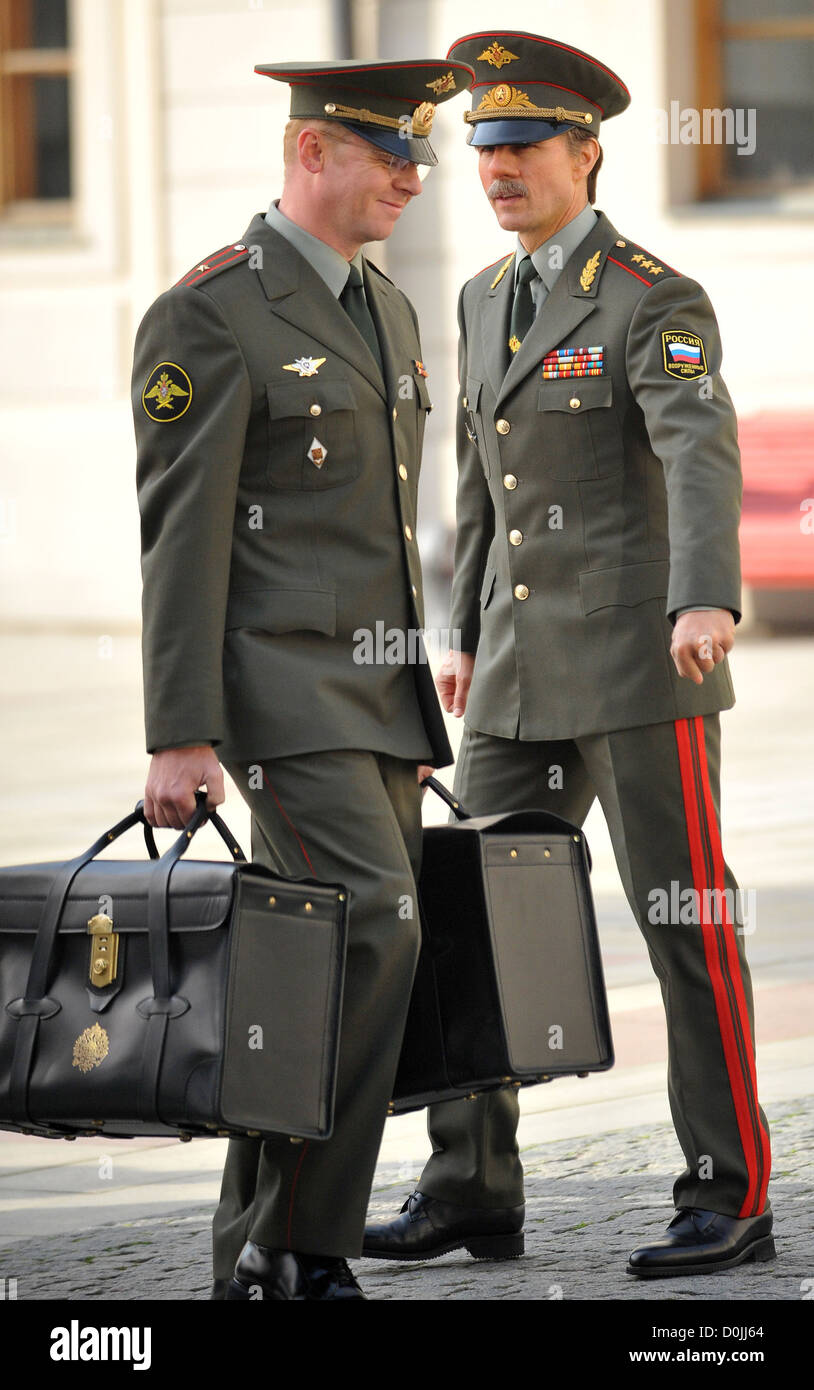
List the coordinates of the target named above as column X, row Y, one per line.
column 529, row 88
column 390, row 104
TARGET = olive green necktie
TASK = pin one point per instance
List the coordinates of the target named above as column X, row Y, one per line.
column 354, row 303
column 523, row 306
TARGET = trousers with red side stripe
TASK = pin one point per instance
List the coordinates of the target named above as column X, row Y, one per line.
column 658, row 787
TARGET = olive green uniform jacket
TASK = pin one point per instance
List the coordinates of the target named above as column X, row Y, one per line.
column 591, row 509
column 261, row 564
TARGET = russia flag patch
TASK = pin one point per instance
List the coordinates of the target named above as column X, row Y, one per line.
column 683, row 355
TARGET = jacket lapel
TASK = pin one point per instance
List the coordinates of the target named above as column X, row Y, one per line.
column 496, row 313
column 571, row 301
column 300, row 296
column 388, row 317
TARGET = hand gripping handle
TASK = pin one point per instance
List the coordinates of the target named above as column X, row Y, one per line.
column 54, row 903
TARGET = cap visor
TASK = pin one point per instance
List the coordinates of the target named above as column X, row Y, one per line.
column 417, row 149
column 516, row 132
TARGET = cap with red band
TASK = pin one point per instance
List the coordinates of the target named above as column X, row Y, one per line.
column 390, row 104
column 529, row 88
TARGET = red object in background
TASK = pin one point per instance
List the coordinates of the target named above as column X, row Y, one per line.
column 777, row 528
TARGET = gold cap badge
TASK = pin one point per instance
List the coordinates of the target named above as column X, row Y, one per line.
column 496, row 55
column 442, row 84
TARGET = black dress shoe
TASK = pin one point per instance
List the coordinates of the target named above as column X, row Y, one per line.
column 286, row 1274
column 427, row 1228
column 701, row 1242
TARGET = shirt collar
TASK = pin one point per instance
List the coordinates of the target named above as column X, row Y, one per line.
column 549, row 266
column 328, row 263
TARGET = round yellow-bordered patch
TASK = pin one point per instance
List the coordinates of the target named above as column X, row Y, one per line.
column 167, row 393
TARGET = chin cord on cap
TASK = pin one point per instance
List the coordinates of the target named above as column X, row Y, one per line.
column 517, row 103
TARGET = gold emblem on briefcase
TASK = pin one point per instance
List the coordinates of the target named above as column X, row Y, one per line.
column 90, row 1048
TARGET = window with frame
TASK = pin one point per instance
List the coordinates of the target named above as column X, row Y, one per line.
column 36, row 64
column 757, row 54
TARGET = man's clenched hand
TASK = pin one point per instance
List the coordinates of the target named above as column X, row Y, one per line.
column 174, row 777
column 701, row 640
column 453, row 681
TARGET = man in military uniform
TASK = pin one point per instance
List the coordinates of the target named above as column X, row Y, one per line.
column 596, row 588
column 280, row 401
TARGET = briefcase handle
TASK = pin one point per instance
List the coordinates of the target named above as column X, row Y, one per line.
column 554, row 822
column 440, row 790
column 192, row 825
column 55, row 902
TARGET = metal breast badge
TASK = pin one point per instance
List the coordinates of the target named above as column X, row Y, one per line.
column 305, row 366
column 317, row 453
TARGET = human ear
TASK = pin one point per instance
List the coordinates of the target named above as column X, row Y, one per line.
column 310, row 151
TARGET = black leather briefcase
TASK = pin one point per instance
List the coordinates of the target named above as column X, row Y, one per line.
column 168, row 996
column 509, row 986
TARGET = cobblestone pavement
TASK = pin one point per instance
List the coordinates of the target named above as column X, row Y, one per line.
column 589, row 1201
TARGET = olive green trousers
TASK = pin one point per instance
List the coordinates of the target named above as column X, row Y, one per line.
column 659, row 790
column 352, row 818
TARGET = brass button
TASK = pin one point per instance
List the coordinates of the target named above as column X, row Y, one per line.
column 465, row 403
column 415, row 591
column 408, row 532
column 315, row 409
column 516, row 537
column 502, row 426
column 402, row 472
column 395, row 413
column 509, row 481
column 621, row 243
column 520, row 591
column 575, row 402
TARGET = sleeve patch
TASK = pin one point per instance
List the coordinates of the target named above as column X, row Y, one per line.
column 684, row 355
column 167, row 393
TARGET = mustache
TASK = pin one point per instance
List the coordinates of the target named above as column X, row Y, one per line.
column 506, row 188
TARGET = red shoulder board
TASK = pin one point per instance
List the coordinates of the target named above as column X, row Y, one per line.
column 219, row 260
column 636, row 261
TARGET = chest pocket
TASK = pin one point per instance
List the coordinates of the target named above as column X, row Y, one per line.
column 314, row 416
column 580, row 436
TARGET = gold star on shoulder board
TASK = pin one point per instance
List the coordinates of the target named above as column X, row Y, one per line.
column 305, row 366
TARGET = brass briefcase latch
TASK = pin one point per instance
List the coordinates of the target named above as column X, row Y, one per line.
column 104, row 950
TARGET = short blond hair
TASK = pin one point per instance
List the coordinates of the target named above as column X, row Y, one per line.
column 292, row 132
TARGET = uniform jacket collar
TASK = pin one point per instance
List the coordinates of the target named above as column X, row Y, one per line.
column 300, row 296
column 571, row 301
